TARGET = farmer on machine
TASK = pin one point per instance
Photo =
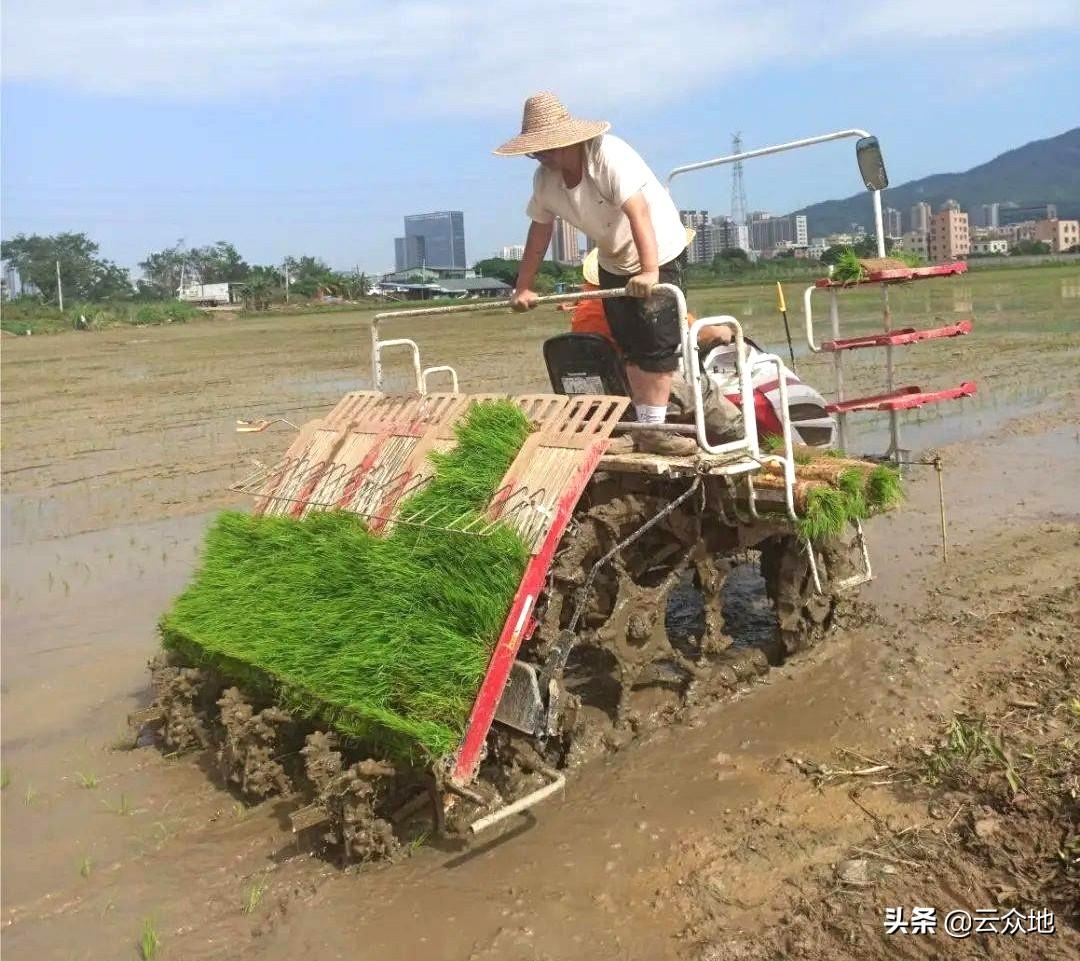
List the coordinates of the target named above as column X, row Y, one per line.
column 598, row 183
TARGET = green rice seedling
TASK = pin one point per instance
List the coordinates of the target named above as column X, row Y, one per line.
column 884, row 487
column 122, row 807
column 852, row 482
column 908, row 257
column 88, row 781
column 5, row 778
column 149, row 942
column 826, row 514
column 30, row 796
column 85, row 866
column 848, row 269
column 386, row 638
column 254, row 896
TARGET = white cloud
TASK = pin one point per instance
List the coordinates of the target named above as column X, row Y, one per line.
column 454, row 57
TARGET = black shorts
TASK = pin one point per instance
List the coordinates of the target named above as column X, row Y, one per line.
column 646, row 330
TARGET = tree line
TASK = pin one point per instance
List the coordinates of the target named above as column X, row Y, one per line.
column 87, row 276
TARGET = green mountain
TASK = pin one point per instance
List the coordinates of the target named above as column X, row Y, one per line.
column 1041, row 172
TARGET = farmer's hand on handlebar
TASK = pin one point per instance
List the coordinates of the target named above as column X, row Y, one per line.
column 642, row 284
column 523, row 300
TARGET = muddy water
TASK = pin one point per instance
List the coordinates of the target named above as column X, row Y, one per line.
column 119, row 445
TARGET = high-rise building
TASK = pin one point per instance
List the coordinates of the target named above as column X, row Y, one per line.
column 565, row 245
column 893, row 227
column 434, row 240
column 700, row 250
column 986, row 215
column 727, row 234
column 802, row 233
column 949, row 235
column 768, row 232
column 920, row 217
column 513, row 252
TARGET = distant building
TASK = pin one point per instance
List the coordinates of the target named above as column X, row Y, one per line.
column 565, row 245
column 1059, row 234
column 950, row 204
column 893, row 227
column 949, row 234
column 817, row 247
column 990, row 245
column 432, row 240
column 986, row 215
column 802, row 234
column 513, row 252
column 1013, row 214
column 917, row 242
column 701, row 249
column 920, row 217
column 728, row 235
column 768, row 232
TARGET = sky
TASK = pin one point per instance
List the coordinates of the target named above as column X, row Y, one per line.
column 310, row 127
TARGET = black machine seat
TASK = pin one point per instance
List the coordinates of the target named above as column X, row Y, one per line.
column 585, row 364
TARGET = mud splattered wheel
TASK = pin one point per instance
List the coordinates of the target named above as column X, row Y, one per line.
column 803, row 614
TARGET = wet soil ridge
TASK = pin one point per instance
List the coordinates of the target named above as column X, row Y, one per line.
column 996, row 798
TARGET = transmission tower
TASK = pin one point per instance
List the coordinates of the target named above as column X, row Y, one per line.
column 738, row 188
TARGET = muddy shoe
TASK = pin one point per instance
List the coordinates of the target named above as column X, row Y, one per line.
column 665, row 444
column 623, row 444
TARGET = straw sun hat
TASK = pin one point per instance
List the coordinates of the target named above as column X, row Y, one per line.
column 546, row 125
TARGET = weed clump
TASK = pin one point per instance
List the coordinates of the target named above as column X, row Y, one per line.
column 385, row 638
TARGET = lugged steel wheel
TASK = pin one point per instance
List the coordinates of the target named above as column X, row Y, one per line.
column 804, row 615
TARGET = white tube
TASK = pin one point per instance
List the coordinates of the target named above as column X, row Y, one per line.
column 765, row 151
column 808, row 314
column 749, row 441
column 521, row 804
column 379, row 345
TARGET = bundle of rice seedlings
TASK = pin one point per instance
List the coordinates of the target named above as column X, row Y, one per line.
column 826, row 514
column 385, row 638
column 848, row 269
column 884, row 488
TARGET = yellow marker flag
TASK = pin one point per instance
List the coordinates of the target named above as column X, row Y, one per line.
column 780, row 305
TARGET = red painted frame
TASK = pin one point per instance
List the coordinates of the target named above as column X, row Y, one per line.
column 907, row 335
column 904, row 398
column 518, row 624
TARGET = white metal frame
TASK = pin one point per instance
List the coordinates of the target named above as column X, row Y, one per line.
column 747, row 445
column 879, row 234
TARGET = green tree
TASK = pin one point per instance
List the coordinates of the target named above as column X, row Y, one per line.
column 1029, row 247
column 497, row 267
column 308, row 275
column 86, row 276
column 216, row 263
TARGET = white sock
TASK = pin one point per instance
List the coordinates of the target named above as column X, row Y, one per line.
column 647, row 414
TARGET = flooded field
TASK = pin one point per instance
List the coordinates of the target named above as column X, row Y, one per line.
column 119, row 445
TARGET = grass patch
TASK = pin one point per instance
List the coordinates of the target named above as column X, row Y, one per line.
column 27, row 315
column 88, row 781
column 85, row 866
column 385, row 638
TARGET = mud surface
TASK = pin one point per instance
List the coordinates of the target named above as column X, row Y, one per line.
column 706, row 839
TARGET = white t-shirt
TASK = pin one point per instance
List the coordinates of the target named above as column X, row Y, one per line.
column 613, row 173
